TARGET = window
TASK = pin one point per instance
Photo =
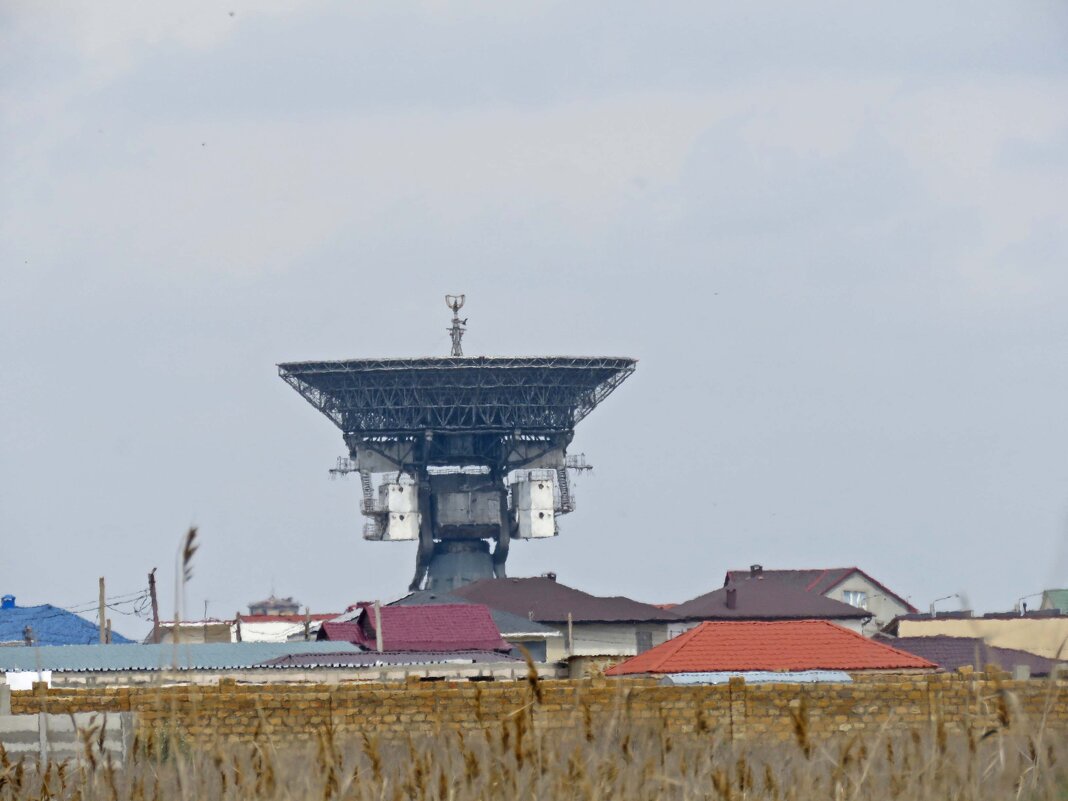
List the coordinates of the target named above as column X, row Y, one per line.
column 856, row 598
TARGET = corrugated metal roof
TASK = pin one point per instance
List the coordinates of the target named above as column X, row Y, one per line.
column 192, row 656
column 761, row 677
column 387, row 658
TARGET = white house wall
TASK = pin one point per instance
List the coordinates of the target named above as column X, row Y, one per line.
column 281, row 631
column 883, row 607
column 606, row 639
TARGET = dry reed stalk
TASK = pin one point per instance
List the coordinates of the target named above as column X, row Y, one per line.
column 801, row 726
column 667, row 760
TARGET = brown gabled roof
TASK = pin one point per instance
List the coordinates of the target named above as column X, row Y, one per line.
column 784, row 645
column 767, row 600
column 816, row 580
column 546, row 600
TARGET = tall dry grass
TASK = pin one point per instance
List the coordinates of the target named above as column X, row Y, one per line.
column 513, row 760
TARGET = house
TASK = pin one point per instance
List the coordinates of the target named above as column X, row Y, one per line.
column 46, row 625
column 519, row 631
column 253, row 627
column 441, row 627
column 771, row 600
column 1041, row 632
column 191, row 631
column 596, row 630
column 1055, row 599
column 280, row 627
column 715, row 648
column 274, row 606
column 849, row 585
column 953, row 653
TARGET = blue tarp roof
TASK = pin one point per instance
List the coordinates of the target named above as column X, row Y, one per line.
column 51, row 626
column 191, row 656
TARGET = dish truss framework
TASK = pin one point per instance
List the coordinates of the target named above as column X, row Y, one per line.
column 460, row 451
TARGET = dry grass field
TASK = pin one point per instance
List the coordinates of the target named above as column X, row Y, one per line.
column 1014, row 760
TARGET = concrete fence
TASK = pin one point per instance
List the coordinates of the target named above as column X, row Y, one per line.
column 63, row 737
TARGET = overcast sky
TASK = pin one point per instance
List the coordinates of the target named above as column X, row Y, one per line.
column 835, row 237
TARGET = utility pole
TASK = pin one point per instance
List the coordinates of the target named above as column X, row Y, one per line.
column 102, row 607
column 378, row 627
column 107, row 627
column 307, row 623
column 570, row 636
column 155, row 606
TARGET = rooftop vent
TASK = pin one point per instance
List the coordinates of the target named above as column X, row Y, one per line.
column 756, row 571
column 550, row 576
column 7, row 602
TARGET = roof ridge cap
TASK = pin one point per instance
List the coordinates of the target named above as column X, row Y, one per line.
column 817, row 580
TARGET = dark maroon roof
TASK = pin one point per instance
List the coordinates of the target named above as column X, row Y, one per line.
column 767, row 600
column 951, row 653
column 548, row 601
column 340, row 632
column 442, row 627
column 817, row 580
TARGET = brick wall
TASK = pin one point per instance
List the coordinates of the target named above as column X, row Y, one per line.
column 737, row 710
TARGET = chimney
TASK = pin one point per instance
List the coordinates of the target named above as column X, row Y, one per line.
column 756, row 571
column 550, row 576
column 732, row 598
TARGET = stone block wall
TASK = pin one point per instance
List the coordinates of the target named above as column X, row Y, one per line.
column 298, row 712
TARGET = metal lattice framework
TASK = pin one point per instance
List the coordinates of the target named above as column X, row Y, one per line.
column 478, row 394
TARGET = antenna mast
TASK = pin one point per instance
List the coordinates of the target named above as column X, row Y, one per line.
column 456, row 302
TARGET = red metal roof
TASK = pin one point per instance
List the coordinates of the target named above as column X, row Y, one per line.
column 784, row 645
column 441, row 627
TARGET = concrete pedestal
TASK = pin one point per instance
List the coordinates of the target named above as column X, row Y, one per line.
column 459, row 562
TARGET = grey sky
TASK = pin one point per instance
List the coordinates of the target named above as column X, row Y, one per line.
column 835, row 236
